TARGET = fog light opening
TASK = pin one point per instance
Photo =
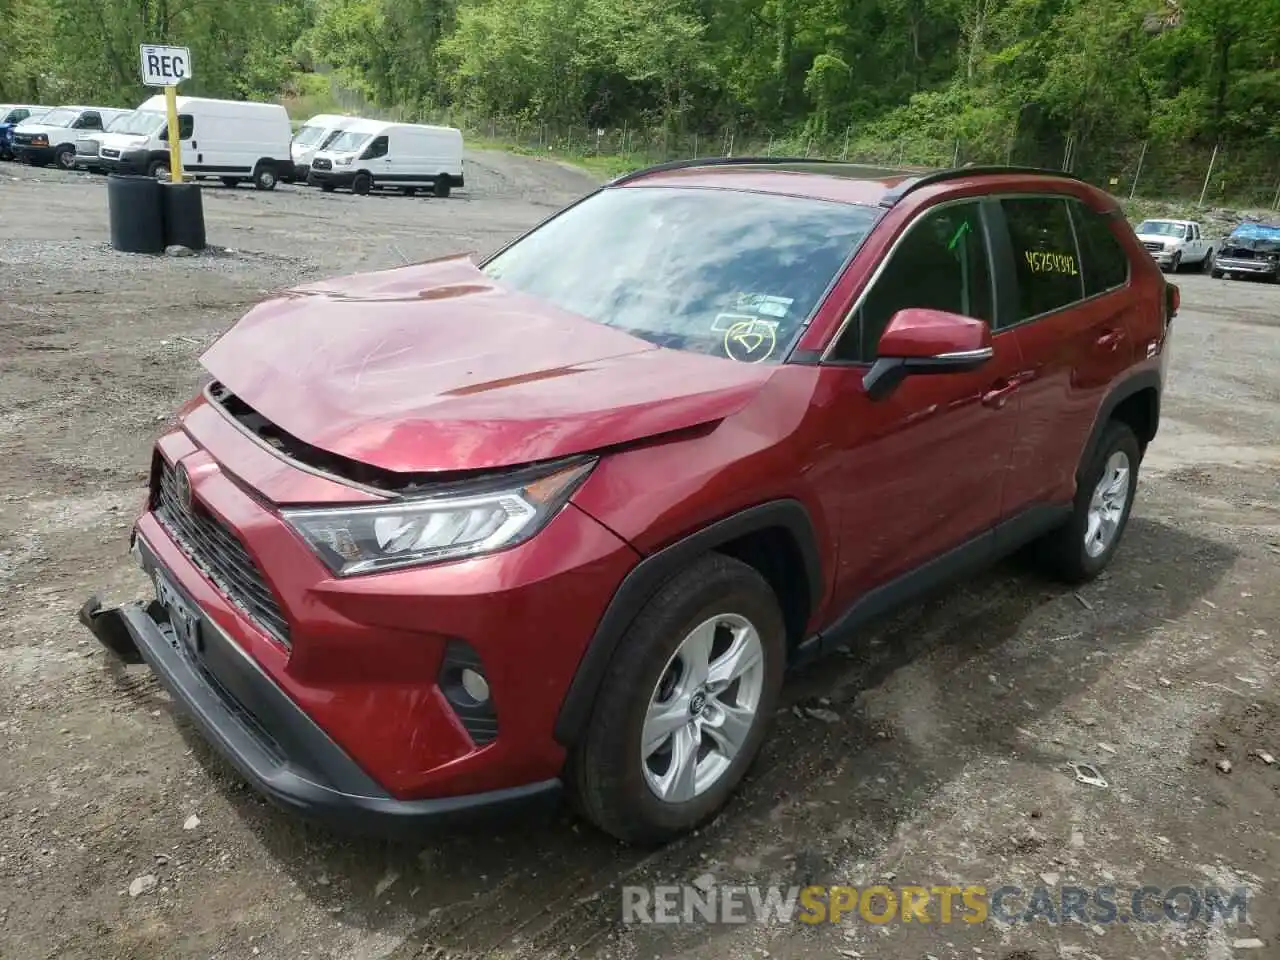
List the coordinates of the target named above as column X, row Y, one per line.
column 476, row 686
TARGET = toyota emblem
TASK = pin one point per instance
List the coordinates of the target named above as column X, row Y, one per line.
column 184, row 487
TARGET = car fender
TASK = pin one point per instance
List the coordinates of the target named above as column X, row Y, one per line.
column 1121, row 391
column 648, row 576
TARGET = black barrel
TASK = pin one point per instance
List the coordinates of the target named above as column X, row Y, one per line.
column 136, row 213
column 183, row 215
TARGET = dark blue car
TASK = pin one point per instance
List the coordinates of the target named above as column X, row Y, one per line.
column 12, row 114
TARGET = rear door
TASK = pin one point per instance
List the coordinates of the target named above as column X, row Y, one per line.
column 1073, row 298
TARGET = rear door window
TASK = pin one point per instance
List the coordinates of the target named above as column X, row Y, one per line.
column 1046, row 261
column 1104, row 263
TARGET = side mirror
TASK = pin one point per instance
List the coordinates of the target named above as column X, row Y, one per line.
column 922, row 341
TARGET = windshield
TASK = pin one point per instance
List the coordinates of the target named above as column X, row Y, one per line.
column 349, row 141
column 141, row 123
column 308, row 135
column 60, row 118
column 117, row 124
column 710, row 271
column 1161, row 228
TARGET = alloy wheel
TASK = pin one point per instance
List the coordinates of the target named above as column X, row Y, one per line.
column 703, row 708
column 1107, row 506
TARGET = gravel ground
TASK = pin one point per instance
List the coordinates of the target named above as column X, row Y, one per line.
column 936, row 753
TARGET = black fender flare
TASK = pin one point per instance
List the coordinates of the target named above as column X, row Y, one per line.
column 1122, row 391
column 647, row 576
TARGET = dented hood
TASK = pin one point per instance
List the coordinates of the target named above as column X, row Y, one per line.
column 436, row 367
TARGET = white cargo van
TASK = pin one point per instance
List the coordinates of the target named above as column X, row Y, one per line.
column 52, row 137
column 232, row 140
column 370, row 155
column 316, row 134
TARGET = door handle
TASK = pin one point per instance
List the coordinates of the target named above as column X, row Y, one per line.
column 1110, row 340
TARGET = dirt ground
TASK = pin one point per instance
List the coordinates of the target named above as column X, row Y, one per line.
column 935, row 753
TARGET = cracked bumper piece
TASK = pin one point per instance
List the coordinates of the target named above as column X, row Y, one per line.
column 269, row 739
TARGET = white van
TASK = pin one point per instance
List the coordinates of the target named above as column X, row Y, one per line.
column 88, row 148
column 314, row 135
column 370, row 154
column 232, row 140
column 51, row 138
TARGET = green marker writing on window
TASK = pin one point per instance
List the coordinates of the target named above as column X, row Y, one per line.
column 958, row 235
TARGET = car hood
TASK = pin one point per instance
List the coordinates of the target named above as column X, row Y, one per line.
column 121, row 141
column 436, row 367
column 25, row 127
column 1158, row 237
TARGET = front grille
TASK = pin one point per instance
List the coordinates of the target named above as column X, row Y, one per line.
column 1237, row 253
column 219, row 554
column 25, row 139
column 321, row 164
column 1154, row 247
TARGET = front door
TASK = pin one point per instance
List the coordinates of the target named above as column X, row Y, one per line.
column 922, row 471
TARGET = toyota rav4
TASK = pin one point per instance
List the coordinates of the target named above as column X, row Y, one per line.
column 448, row 538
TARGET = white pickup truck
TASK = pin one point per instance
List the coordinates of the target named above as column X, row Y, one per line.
column 1176, row 244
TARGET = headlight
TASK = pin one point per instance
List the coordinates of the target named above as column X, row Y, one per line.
column 342, row 162
column 471, row 519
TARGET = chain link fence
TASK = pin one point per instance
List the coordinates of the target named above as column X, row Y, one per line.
column 1244, row 175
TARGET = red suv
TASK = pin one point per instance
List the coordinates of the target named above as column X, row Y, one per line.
column 445, row 538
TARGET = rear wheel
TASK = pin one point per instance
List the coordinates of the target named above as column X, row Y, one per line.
column 685, row 705
column 264, row 177
column 1082, row 547
column 442, row 187
column 230, row 181
column 362, row 184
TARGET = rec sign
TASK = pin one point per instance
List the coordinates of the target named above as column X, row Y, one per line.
column 165, row 66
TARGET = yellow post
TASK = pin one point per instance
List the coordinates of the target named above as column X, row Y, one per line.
column 175, row 135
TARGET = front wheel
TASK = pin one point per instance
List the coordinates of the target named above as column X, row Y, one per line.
column 264, row 178
column 158, row 170
column 1082, row 547
column 1206, row 265
column 685, row 705
column 1176, row 264
column 65, row 158
column 362, row 184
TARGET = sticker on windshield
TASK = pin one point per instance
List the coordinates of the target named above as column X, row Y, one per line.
column 762, row 304
column 724, row 321
column 751, row 341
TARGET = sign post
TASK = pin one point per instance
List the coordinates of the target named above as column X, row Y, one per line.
column 167, row 67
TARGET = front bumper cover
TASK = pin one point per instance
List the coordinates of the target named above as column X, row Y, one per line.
column 274, row 744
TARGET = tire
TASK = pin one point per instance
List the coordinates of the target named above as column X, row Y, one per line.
column 326, row 186
column 362, row 184
column 1071, row 552
column 230, row 181
column 441, row 188
column 1176, row 264
column 409, row 191
column 264, row 177
column 1216, row 274
column 158, row 170
column 608, row 778
column 1206, row 265
column 65, row 158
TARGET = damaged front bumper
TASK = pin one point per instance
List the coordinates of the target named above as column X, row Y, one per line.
column 280, row 750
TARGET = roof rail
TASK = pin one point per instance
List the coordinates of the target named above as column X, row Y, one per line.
column 953, row 173
column 725, row 162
